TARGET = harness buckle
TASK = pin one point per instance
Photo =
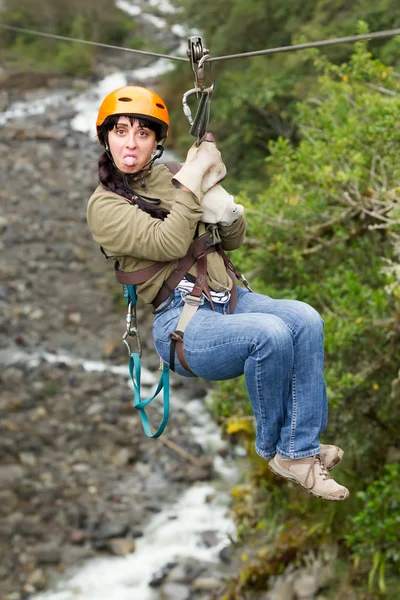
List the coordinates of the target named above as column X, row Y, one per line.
column 193, row 300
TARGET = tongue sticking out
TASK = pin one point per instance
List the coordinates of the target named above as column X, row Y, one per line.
column 129, row 161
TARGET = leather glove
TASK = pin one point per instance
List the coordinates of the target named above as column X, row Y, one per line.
column 220, row 207
column 202, row 169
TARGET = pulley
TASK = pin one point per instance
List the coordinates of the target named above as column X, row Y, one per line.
column 198, row 56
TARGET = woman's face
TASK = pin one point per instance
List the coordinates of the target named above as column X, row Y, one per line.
column 131, row 145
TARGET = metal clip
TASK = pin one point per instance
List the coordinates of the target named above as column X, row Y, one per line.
column 198, row 57
column 200, row 74
column 195, row 52
column 131, row 329
column 199, row 123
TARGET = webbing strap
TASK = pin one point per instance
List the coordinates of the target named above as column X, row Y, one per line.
column 163, row 384
column 135, row 373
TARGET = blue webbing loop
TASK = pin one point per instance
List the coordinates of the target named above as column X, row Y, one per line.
column 135, row 370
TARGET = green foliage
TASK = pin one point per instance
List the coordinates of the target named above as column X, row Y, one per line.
column 375, row 529
column 325, row 230
column 321, row 230
column 255, row 99
column 93, row 20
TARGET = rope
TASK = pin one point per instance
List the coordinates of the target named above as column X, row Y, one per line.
column 375, row 35
column 70, row 39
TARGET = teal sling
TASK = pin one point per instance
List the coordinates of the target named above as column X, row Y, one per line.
column 135, row 369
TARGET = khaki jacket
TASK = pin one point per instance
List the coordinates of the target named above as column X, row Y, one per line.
column 137, row 240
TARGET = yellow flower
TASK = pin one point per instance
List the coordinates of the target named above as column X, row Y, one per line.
column 345, row 78
column 375, row 386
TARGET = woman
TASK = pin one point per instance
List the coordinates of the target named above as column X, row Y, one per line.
column 145, row 219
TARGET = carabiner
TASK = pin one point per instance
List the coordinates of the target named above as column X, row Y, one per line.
column 200, row 73
column 133, row 332
column 131, row 329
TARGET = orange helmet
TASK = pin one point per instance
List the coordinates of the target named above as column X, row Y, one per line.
column 137, row 101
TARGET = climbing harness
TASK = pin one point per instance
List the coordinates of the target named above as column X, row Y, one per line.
column 135, row 368
column 197, row 253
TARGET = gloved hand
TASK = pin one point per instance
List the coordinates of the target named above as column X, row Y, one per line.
column 220, row 207
column 202, row 169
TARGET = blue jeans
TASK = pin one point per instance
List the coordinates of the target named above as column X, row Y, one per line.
column 278, row 345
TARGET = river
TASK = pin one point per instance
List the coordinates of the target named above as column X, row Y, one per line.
column 177, row 530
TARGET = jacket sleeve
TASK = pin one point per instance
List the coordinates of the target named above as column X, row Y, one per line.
column 126, row 230
column 232, row 236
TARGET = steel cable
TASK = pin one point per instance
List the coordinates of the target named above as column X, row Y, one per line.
column 70, row 39
column 317, row 44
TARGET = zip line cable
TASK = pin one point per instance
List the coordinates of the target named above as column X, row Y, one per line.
column 70, row 39
column 318, row 44
column 376, row 35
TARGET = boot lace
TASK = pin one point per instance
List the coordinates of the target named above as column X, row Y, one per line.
column 317, row 466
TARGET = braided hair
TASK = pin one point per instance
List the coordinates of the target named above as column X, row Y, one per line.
column 116, row 181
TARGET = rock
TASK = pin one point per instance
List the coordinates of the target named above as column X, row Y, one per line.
column 326, row 574
column 110, row 530
column 174, row 591
column 74, row 317
column 186, row 571
column 199, row 473
column 77, row 536
column 210, row 538
column 305, row 586
column 10, row 474
column 123, row 457
column 48, row 554
column 4, row 291
column 206, row 583
column 283, row 590
column 27, row 459
column 158, row 577
column 95, row 408
column 8, row 502
column 227, row 553
column 3, row 220
column 12, row 375
column 36, row 314
column 142, row 469
column 38, row 579
column 121, row 547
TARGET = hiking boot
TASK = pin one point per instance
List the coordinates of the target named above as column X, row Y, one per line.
column 310, row 473
column 331, row 455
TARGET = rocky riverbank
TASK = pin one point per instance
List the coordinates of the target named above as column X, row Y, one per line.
column 78, row 478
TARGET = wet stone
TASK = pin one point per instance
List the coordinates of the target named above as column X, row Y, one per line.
column 174, row 591
column 121, row 547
